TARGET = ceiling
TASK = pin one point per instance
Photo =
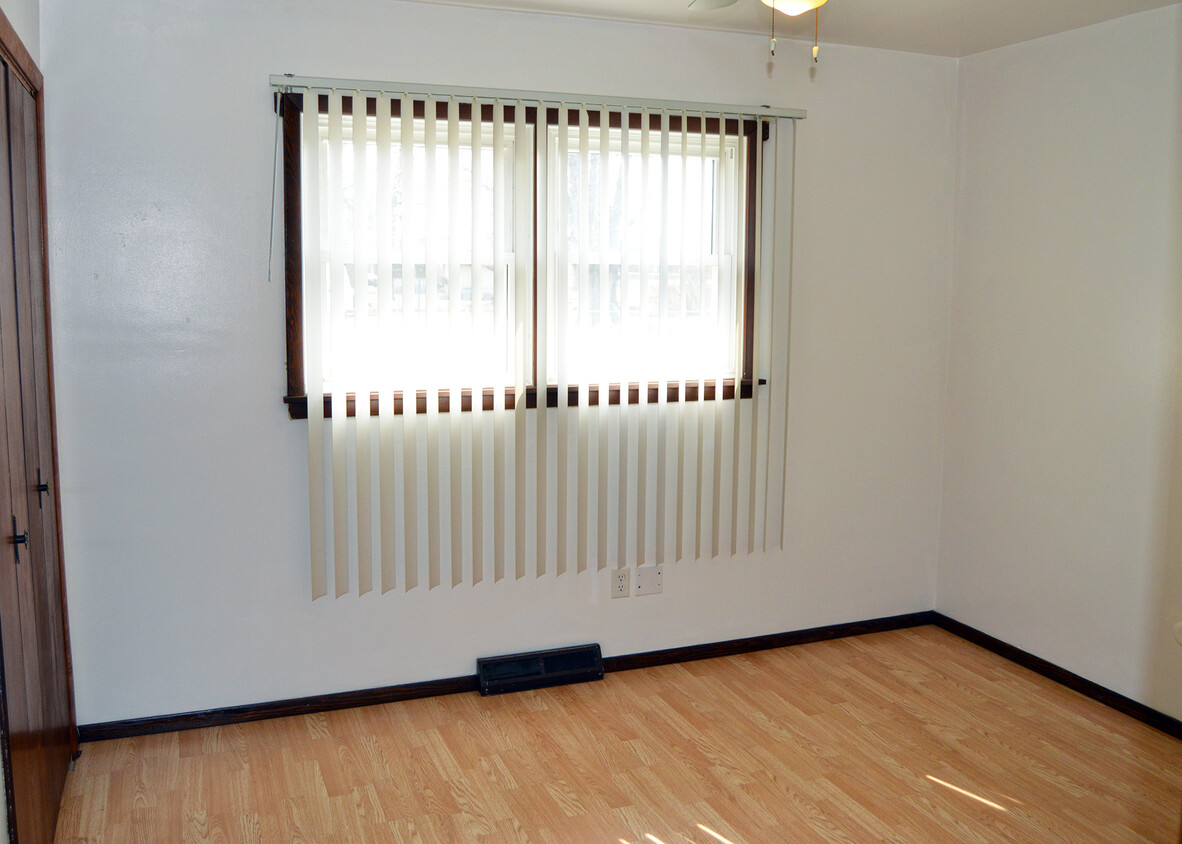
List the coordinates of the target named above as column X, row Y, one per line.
column 939, row 27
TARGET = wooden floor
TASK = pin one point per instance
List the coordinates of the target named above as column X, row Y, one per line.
column 913, row 735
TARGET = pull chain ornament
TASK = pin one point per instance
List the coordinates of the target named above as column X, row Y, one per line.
column 816, row 31
column 773, row 45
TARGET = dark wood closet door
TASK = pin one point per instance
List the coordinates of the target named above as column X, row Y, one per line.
column 14, row 563
column 40, row 461
column 39, row 730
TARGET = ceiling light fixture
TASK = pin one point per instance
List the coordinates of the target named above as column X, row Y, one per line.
column 792, row 8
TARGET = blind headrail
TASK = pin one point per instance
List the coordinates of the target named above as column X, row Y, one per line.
column 282, row 82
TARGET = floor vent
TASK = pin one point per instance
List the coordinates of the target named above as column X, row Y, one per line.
column 517, row 672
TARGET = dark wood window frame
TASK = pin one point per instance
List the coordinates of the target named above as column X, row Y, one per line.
column 290, row 106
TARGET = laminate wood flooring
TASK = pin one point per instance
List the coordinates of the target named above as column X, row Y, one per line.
column 912, row 735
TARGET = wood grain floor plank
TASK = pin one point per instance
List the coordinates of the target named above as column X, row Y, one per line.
column 911, row 735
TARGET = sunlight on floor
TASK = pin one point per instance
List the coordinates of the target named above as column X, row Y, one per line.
column 652, row 839
column 976, row 797
column 709, row 831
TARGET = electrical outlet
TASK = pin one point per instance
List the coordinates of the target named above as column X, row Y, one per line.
column 621, row 583
column 649, row 580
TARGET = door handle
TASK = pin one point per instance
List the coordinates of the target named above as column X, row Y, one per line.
column 19, row 539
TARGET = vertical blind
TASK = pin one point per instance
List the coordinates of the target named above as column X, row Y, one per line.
column 547, row 343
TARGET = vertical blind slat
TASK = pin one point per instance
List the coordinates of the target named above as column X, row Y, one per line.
column 458, row 455
column 501, row 494
column 540, row 510
column 675, row 488
column 781, row 310
column 740, row 411
column 313, row 330
column 583, row 412
column 757, row 453
column 388, row 459
column 598, row 505
column 725, row 261
column 361, row 382
column 769, row 202
column 692, row 451
column 411, row 424
column 337, row 335
column 617, row 527
column 481, row 460
column 643, row 512
column 515, row 440
column 436, row 494
column 660, row 472
column 561, row 195
column 629, row 433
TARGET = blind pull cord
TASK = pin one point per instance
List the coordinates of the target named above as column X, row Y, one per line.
column 274, row 184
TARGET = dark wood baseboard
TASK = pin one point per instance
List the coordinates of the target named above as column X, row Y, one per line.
column 274, row 709
column 1130, row 707
column 454, row 685
column 626, row 662
column 763, row 643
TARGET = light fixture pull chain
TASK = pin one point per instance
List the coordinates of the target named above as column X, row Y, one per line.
column 816, row 32
column 773, row 45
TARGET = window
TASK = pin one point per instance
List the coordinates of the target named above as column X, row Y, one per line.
column 624, row 246
column 582, row 281
column 653, row 206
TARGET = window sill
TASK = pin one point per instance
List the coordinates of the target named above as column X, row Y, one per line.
column 297, row 406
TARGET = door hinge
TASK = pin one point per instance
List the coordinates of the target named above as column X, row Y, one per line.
column 19, row 539
column 42, row 487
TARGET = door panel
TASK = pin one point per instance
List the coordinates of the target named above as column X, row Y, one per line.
column 21, row 673
column 37, row 695
column 56, row 744
column 30, row 294
column 61, row 697
column 23, row 426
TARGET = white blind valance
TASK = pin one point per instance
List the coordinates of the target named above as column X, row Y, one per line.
column 323, row 85
column 597, row 279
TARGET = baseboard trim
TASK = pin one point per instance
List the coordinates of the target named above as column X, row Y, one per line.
column 1087, row 688
column 627, row 662
column 274, row 709
column 763, row 643
column 455, row 685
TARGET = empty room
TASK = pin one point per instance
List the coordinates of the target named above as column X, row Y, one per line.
column 591, row 421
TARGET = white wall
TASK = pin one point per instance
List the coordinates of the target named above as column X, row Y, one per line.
column 183, row 481
column 24, row 15
column 1065, row 332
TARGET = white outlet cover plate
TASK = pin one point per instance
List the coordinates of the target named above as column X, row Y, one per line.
column 649, row 580
column 621, row 583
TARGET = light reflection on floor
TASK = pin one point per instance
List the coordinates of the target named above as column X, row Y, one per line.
column 976, row 797
column 652, row 839
column 711, row 832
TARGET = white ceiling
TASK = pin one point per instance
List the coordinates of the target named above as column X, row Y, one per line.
column 939, row 27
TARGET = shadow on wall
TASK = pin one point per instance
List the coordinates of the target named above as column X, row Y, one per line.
column 1165, row 649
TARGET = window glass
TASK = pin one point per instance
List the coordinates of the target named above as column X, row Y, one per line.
column 649, row 261
column 421, row 334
